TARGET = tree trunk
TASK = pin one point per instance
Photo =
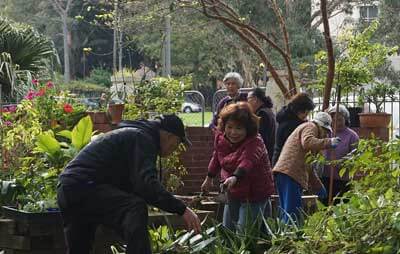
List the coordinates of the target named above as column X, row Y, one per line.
column 67, row 70
column 168, row 46
column 331, row 59
column 115, row 38
column 120, row 55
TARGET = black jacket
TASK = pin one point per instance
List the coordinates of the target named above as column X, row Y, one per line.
column 267, row 129
column 125, row 158
column 287, row 123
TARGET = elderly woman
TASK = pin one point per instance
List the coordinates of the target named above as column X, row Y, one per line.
column 262, row 107
column 288, row 118
column 349, row 140
column 292, row 175
column 233, row 81
column 241, row 158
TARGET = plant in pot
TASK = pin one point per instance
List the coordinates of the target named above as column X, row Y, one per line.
column 382, row 90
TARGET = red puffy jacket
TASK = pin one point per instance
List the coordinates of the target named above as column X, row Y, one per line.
column 250, row 156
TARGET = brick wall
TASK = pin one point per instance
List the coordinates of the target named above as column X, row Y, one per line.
column 196, row 158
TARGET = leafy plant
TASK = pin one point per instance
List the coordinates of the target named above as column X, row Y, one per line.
column 160, row 95
column 357, row 61
column 100, row 76
column 368, row 222
column 28, row 50
column 38, row 171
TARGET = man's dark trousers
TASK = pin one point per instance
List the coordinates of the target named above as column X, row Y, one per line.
column 84, row 207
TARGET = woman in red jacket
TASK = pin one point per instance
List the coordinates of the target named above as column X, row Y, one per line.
column 242, row 159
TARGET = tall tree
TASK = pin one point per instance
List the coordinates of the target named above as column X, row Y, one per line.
column 63, row 7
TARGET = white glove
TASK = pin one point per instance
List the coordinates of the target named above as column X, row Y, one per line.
column 335, row 142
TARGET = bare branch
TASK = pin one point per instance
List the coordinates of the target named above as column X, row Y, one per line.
column 56, row 5
column 282, row 25
column 244, row 33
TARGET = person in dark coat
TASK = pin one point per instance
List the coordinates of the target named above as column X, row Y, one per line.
column 288, row 118
column 241, row 159
column 232, row 81
column 262, row 107
column 112, row 180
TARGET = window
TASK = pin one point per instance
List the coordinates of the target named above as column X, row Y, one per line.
column 369, row 13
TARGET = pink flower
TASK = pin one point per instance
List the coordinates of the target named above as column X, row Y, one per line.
column 50, row 84
column 31, row 94
column 5, row 110
column 35, row 82
column 7, row 123
column 12, row 108
column 68, row 108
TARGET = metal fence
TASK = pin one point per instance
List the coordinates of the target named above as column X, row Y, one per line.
column 390, row 105
column 193, row 108
column 218, row 95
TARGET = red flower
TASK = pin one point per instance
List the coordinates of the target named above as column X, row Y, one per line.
column 35, row 82
column 68, row 108
column 50, row 84
column 41, row 92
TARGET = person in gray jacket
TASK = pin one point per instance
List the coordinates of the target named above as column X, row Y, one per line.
column 112, row 180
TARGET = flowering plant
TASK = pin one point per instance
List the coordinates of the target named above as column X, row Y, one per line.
column 55, row 108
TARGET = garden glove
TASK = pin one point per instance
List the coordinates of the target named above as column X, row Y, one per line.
column 322, row 193
column 229, row 182
column 335, row 142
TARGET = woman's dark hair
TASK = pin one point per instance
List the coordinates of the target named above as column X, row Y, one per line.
column 260, row 94
column 241, row 113
column 301, row 102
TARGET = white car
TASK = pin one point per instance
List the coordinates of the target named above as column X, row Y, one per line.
column 189, row 107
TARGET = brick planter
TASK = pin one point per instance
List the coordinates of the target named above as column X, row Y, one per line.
column 31, row 233
column 42, row 233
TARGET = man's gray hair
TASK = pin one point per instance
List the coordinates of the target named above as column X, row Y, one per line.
column 235, row 76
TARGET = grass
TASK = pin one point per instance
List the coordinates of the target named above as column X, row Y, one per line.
column 195, row 119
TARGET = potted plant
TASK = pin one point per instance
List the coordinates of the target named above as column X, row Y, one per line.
column 100, row 116
column 115, row 111
column 384, row 88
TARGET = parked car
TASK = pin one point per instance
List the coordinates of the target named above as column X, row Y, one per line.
column 90, row 103
column 189, row 107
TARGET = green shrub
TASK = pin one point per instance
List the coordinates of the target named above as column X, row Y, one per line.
column 83, row 88
column 100, row 76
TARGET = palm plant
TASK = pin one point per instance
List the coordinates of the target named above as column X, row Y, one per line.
column 23, row 52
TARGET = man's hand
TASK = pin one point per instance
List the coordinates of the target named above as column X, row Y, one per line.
column 206, row 186
column 192, row 221
column 230, row 182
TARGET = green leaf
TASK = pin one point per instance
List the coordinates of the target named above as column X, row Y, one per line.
column 82, row 133
column 389, row 194
column 46, row 143
column 66, row 134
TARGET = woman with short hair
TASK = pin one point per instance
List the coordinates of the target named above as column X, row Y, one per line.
column 233, row 81
column 241, row 158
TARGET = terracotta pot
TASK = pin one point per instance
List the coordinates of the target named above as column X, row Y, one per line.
column 375, row 120
column 115, row 111
column 98, row 117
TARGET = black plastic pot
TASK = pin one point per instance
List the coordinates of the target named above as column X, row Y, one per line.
column 354, row 118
